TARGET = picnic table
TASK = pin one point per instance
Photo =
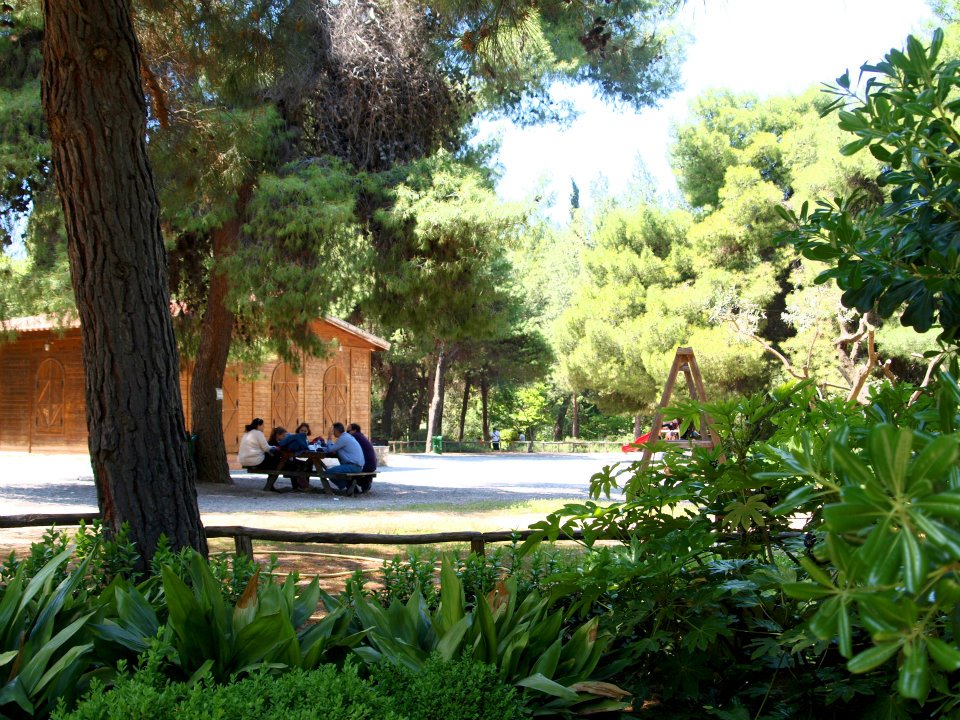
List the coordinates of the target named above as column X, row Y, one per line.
column 357, row 482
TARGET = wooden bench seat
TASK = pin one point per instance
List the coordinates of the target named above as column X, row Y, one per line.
column 358, row 482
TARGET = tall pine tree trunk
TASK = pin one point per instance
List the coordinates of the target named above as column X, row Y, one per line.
column 464, row 406
column 96, row 113
column 420, row 402
column 575, row 420
column 389, row 401
column 216, row 331
column 484, row 401
column 561, row 419
column 435, row 416
column 637, row 425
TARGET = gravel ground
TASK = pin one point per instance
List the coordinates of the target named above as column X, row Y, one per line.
column 35, row 483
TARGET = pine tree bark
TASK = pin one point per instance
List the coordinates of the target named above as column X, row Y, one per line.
column 96, row 113
column 389, row 402
column 561, row 420
column 484, row 402
column 206, row 411
column 435, row 415
column 464, row 406
column 637, row 425
column 575, row 419
column 420, row 402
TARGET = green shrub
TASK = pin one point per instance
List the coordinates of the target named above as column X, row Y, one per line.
column 44, row 647
column 297, row 695
column 462, row 689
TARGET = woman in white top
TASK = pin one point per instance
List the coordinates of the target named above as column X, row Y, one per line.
column 255, row 451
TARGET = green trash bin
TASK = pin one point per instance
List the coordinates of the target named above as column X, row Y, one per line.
column 437, row 444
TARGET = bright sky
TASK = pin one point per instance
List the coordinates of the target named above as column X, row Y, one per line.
column 767, row 47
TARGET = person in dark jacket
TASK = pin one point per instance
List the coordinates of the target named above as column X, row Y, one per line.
column 369, row 454
column 292, row 444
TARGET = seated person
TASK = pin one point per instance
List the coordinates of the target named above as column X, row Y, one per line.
column 288, row 445
column 255, row 452
column 294, row 442
column 347, row 450
column 369, row 454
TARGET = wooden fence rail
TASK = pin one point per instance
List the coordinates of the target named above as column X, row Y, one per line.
column 243, row 537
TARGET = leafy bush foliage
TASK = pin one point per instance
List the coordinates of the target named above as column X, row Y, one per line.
column 459, row 688
column 43, row 648
column 892, row 243
column 297, row 695
column 803, row 567
column 526, row 640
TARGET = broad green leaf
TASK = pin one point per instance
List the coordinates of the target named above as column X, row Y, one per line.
column 545, row 685
column 890, row 451
column 450, row 643
column 487, row 631
column 914, row 679
column 817, row 573
column 846, row 517
column 944, row 504
column 806, row 591
column 546, row 664
column 850, row 466
column 61, row 665
column 944, row 655
column 451, row 596
column 914, row 561
column 935, row 459
column 873, row 657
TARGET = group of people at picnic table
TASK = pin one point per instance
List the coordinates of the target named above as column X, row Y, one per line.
column 348, row 445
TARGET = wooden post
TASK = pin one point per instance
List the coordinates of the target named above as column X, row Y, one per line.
column 683, row 362
column 477, row 545
column 244, row 545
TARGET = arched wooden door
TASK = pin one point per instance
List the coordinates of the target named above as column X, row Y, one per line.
column 48, row 398
column 336, row 396
column 285, row 389
column 231, row 412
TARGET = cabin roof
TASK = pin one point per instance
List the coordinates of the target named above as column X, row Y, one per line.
column 40, row 323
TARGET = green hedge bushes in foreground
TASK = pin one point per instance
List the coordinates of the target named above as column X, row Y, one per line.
column 462, row 689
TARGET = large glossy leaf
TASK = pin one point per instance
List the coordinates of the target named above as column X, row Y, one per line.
column 914, row 679
column 873, row 657
column 890, row 451
column 37, row 658
column 486, row 642
column 545, row 685
column 934, row 460
column 451, row 597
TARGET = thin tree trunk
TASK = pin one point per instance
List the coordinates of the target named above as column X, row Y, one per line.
column 561, row 420
column 420, row 403
column 96, row 113
column 484, row 400
column 389, row 401
column 575, row 420
column 464, row 406
column 435, row 416
column 637, row 425
column 206, row 411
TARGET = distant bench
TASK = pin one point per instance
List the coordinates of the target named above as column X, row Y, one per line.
column 357, row 483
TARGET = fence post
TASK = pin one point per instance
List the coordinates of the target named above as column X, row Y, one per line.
column 477, row 546
column 244, row 545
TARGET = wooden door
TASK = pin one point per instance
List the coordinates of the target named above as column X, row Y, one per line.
column 48, row 398
column 231, row 412
column 285, row 391
column 336, row 396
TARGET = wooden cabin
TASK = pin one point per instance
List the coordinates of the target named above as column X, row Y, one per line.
column 43, row 400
